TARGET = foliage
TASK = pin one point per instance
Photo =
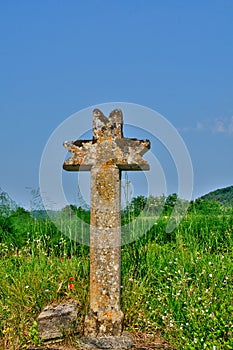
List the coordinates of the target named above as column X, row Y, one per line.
column 6, row 203
column 176, row 283
column 224, row 196
column 15, row 227
column 34, row 334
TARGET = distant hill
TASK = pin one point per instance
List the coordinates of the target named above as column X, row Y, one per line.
column 222, row 195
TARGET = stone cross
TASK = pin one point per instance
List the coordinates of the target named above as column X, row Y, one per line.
column 106, row 155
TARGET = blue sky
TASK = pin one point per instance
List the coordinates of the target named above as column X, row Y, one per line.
column 58, row 57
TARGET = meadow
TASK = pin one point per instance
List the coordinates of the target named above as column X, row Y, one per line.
column 177, row 285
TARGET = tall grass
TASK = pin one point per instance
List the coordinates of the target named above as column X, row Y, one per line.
column 178, row 284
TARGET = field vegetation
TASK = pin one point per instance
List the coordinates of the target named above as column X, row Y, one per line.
column 177, row 284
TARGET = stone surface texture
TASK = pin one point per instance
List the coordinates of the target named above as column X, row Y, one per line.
column 55, row 319
column 108, row 146
column 110, row 342
column 106, row 155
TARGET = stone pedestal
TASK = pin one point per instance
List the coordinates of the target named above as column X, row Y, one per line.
column 108, row 342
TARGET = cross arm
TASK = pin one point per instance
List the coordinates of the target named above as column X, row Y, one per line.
column 132, row 151
column 83, row 155
column 125, row 153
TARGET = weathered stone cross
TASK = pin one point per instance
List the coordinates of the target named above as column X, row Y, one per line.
column 106, row 155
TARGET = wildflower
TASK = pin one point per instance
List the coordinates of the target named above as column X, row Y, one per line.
column 70, row 286
column 71, row 279
column 210, row 275
column 27, row 287
column 7, row 330
column 224, row 281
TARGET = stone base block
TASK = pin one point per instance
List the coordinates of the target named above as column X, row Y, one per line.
column 55, row 319
column 112, row 342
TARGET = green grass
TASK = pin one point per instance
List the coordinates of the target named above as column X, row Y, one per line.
column 178, row 284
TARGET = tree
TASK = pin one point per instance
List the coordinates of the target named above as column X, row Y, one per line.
column 170, row 202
